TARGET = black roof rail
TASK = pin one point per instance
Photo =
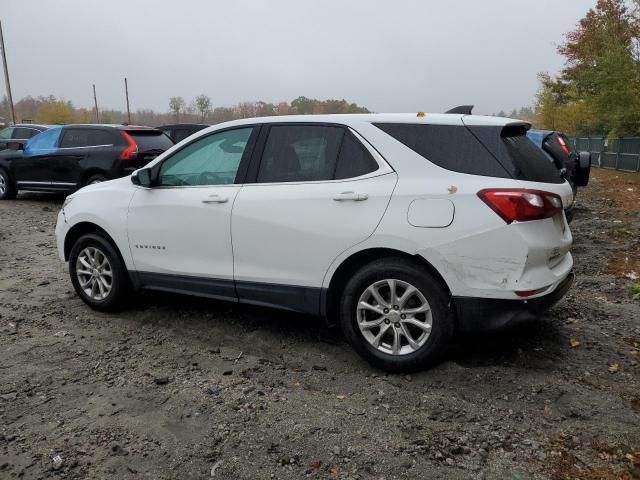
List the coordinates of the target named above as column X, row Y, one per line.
column 461, row 109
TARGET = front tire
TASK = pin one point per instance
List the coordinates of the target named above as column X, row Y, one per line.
column 396, row 315
column 98, row 274
column 8, row 190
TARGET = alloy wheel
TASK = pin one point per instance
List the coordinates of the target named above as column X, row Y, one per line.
column 3, row 184
column 394, row 317
column 94, row 273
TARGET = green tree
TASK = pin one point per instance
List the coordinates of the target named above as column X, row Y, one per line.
column 599, row 87
column 177, row 106
column 203, row 104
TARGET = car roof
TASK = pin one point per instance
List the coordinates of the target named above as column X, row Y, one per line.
column 418, row 118
column 30, row 125
column 174, row 125
column 108, row 125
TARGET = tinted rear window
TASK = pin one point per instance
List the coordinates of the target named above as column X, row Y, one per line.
column 150, row 140
column 517, row 153
column 493, row 151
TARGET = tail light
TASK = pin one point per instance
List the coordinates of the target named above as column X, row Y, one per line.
column 131, row 152
column 563, row 145
column 521, row 205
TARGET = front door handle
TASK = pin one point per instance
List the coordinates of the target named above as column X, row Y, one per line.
column 215, row 199
column 353, row 196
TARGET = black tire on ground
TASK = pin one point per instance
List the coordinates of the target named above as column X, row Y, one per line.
column 120, row 285
column 98, row 178
column 443, row 322
column 8, row 190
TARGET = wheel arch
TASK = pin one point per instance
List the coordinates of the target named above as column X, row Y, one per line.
column 90, row 172
column 356, row 261
column 82, row 228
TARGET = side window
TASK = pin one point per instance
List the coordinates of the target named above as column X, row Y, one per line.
column 212, row 160
column 354, row 159
column 75, row 137
column 33, row 132
column 85, row 137
column 453, row 147
column 300, row 153
column 21, row 133
column 44, row 143
column 5, row 134
column 180, row 134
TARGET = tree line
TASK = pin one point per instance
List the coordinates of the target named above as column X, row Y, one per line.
column 54, row 110
column 598, row 90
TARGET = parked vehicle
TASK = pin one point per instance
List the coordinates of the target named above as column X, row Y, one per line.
column 180, row 131
column 574, row 166
column 63, row 159
column 16, row 136
column 404, row 228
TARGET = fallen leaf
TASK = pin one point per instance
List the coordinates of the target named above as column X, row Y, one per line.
column 547, row 409
column 574, row 343
column 315, row 465
column 341, row 397
column 633, row 457
column 333, row 472
column 614, row 367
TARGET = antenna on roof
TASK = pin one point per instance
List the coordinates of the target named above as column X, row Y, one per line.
column 462, row 109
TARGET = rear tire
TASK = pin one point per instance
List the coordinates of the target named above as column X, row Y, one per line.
column 430, row 330
column 98, row 178
column 98, row 274
column 8, row 190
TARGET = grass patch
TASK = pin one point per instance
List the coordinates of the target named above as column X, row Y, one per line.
column 634, row 290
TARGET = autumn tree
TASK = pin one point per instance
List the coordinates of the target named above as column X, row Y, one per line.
column 599, row 87
column 55, row 112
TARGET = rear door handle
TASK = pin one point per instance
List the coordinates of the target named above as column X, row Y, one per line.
column 215, row 199
column 352, row 196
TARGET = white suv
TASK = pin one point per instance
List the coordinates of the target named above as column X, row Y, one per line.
column 405, row 228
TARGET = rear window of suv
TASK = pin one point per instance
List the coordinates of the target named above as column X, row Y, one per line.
column 149, row 140
column 492, row 151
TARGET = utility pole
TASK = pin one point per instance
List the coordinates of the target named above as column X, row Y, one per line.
column 95, row 101
column 126, row 91
column 6, row 76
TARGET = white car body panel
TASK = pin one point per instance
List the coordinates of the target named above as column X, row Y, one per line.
column 296, row 234
column 290, row 233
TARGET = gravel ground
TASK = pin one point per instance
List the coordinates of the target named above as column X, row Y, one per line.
column 180, row 387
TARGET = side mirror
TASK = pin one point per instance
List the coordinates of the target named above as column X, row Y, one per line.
column 142, row 177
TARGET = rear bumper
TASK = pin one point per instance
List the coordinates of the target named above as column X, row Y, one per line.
column 483, row 314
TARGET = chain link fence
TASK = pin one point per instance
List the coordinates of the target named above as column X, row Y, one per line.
column 618, row 153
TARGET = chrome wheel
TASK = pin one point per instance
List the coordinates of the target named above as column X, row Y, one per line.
column 94, row 272
column 3, row 184
column 394, row 317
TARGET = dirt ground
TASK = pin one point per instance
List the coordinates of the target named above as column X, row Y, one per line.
column 179, row 387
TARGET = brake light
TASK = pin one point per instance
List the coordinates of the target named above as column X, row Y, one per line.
column 131, row 152
column 563, row 145
column 521, row 205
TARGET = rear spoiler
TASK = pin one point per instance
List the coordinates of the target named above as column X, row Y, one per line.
column 461, row 109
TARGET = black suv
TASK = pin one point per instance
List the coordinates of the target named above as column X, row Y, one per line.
column 63, row 159
column 180, row 131
column 16, row 136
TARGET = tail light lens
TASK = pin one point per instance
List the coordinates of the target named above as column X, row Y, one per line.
column 563, row 145
column 131, row 152
column 521, row 205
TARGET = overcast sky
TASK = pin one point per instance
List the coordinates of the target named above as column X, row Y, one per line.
column 391, row 55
